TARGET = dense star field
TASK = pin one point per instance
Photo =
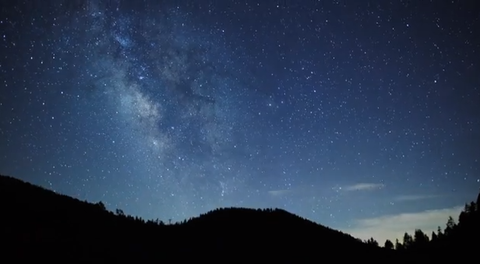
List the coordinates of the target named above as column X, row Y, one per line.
column 362, row 116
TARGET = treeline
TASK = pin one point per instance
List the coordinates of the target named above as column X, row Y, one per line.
column 39, row 224
column 454, row 236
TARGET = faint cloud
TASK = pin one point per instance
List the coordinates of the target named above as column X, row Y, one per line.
column 364, row 187
column 394, row 226
column 279, row 192
column 406, row 198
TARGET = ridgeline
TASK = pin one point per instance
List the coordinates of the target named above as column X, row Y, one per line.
column 37, row 224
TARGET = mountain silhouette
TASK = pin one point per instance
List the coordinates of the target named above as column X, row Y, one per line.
column 37, row 224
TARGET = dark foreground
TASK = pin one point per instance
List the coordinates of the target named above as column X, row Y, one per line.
column 39, row 225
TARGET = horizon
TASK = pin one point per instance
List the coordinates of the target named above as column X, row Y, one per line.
column 391, row 232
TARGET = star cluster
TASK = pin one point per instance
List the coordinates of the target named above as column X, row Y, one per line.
column 331, row 110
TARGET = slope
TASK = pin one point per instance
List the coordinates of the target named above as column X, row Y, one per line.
column 42, row 225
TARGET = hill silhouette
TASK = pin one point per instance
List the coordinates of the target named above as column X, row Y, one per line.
column 40, row 225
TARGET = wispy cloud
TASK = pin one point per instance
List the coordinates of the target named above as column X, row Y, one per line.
column 364, row 187
column 406, row 198
column 279, row 192
column 394, row 226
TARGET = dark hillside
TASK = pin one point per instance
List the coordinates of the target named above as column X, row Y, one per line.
column 38, row 224
column 237, row 228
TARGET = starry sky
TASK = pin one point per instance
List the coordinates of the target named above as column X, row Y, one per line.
column 354, row 114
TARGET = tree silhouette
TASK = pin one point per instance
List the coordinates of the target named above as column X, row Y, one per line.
column 450, row 226
column 439, row 232
column 372, row 242
column 119, row 212
column 101, row 206
column 388, row 244
column 478, row 200
column 398, row 245
column 407, row 241
column 420, row 238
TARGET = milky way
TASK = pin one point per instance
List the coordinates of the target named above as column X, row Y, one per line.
column 344, row 113
column 176, row 96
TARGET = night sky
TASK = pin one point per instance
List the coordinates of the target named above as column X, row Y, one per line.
column 359, row 115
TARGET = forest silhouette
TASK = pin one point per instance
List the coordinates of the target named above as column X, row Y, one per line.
column 37, row 224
